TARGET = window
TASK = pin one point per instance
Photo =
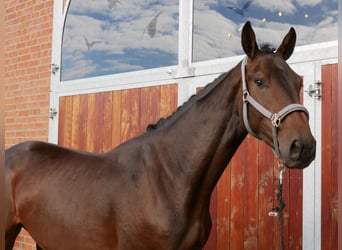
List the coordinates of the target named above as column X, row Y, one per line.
column 104, row 37
column 217, row 23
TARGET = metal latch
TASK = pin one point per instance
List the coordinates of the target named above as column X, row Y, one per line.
column 315, row 90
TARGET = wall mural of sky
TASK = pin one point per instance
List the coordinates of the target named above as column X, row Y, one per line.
column 104, row 37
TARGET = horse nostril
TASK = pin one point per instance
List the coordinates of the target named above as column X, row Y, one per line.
column 296, row 150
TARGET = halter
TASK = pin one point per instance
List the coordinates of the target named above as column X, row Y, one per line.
column 275, row 118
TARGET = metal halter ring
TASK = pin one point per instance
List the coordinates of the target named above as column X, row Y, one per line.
column 245, row 95
column 275, row 119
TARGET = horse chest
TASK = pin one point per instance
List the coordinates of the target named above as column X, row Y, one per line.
column 147, row 236
column 163, row 229
column 151, row 217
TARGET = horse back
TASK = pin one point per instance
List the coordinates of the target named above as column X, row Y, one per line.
column 33, row 163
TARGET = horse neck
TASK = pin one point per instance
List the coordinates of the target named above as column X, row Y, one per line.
column 202, row 138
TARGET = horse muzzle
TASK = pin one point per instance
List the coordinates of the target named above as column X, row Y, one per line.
column 301, row 153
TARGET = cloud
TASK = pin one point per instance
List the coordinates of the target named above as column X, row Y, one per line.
column 211, row 37
column 78, row 68
column 286, row 6
column 309, row 2
column 123, row 67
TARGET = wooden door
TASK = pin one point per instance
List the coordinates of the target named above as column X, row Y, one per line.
column 100, row 121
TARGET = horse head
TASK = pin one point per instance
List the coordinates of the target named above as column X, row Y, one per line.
column 271, row 100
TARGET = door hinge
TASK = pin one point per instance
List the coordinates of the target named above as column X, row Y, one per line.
column 53, row 113
column 315, row 90
column 54, row 68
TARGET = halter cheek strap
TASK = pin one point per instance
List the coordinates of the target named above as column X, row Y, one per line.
column 275, row 118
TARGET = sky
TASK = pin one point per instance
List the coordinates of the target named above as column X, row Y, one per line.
column 104, row 37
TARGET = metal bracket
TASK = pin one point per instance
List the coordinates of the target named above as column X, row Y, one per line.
column 273, row 214
column 54, row 68
column 53, row 113
column 315, row 90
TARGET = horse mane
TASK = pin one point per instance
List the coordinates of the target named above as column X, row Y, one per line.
column 200, row 94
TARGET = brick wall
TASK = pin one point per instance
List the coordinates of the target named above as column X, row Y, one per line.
column 28, row 43
column 27, row 69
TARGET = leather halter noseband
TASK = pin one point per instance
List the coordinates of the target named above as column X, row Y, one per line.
column 275, row 118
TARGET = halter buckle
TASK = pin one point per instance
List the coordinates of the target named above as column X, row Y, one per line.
column 245, row 95
column 275, row 119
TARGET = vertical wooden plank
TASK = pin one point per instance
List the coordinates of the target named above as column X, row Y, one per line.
column 83, row 121
column 91, row 123
column 326, row 158
column 174, row 97
column 165, row 101
column 145, row 108
column 169, row 99
column 266, row 197
column 251, row 198
column 149, row 106
column 62, row 101
column 295, row 209
column 223, row 209
column 130, row 114
column 107, row 122
column 68, row 121
column 98, row 122
column 154, row 103
column 75, row 121
column 116, row 118
column 237, row 198
column 334, row 156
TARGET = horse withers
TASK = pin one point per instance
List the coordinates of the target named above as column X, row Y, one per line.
column 153, row 192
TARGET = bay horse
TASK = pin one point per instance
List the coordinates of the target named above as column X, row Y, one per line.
column 153, row 192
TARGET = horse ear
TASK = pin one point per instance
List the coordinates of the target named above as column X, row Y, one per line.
column 287, row 46
column 248, row 41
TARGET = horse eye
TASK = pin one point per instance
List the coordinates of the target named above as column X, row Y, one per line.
column 259, row 82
